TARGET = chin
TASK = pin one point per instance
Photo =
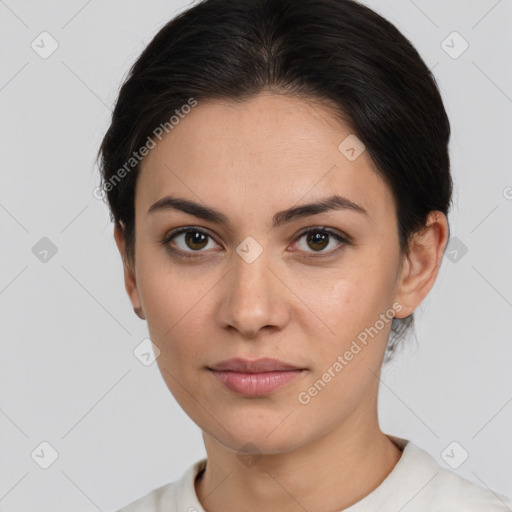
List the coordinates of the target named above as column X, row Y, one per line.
column 258, row 434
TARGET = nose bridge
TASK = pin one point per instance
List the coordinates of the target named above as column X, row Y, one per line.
column 253, row 297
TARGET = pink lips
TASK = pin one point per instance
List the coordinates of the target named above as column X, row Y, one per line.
column 255, row 378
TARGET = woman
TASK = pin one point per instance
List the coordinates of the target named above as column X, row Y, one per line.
column 278, row 175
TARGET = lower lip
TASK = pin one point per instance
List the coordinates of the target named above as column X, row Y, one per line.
column 256, row 384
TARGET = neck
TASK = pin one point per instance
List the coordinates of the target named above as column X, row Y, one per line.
column 330, row 473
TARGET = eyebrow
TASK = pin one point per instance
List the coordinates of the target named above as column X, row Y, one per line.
column 334, row 202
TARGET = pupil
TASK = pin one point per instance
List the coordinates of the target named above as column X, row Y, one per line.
column 192, row 238
column 318, row 238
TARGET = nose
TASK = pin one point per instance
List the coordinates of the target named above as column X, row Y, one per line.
column 253, row 297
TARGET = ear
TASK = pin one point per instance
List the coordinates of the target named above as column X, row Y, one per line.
column 130, row 282
column 421, row 265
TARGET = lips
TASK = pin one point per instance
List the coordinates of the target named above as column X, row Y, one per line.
column 255, row 378
column 255, row 366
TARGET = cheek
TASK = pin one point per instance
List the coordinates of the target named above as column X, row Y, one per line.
column 175, row 304
column 350, row 301
column 350, row 297
column 345, row 364
column 174, row 309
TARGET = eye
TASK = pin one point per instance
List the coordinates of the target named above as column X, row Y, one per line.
column 187, row 240
column 319, row 238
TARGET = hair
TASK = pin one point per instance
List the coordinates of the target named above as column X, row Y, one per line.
column 339, row 53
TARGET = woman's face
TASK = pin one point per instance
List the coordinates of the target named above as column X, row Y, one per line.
column 250, row 284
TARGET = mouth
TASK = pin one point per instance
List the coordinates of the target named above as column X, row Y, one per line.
column 257, row 377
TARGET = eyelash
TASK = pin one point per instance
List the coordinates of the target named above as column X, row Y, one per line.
column 344, row 240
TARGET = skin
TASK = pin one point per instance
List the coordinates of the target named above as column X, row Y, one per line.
column 249, row 161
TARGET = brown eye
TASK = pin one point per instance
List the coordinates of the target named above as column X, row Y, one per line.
column 195, row 240
column 187, row 240
column 318, row 239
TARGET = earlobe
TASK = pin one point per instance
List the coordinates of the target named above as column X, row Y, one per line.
column 422, row 264
column 130, row 281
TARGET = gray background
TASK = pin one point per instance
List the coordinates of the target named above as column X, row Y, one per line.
column 68, row 375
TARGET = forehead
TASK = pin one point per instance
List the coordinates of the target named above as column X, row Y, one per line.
column 265, row 153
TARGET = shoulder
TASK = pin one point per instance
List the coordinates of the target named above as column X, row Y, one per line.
column 450, row 490
column 176, row 496
column 425, row 485
column 158, row 499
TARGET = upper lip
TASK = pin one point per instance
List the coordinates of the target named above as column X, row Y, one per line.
column 241, row 365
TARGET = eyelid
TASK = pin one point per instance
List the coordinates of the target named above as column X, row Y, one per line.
column 331, row 231
column 342, row 239
column 340, row 236
column 185, row 229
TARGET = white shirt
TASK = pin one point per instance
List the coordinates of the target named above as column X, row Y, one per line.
column 416, row 484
